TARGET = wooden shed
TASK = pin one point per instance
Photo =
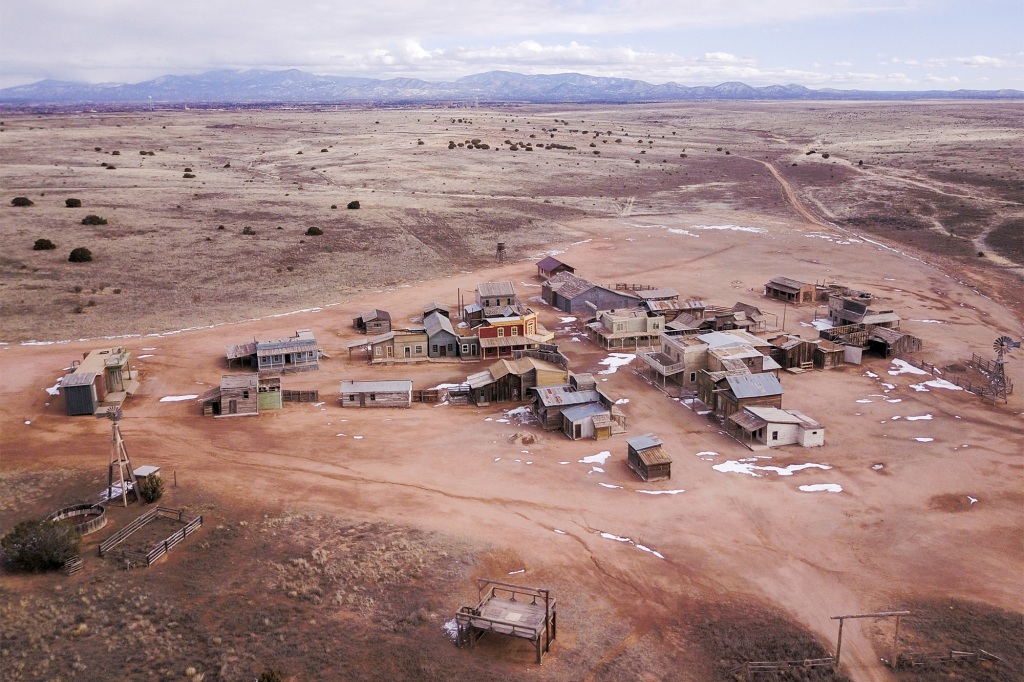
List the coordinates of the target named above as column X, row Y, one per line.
column 373, row 322
column 591, row 420
column 647, row 459
column 551, row 266
column 790, row 290
column 237, row 396
column 376, row 393
column 82, row 393
column 442, row 341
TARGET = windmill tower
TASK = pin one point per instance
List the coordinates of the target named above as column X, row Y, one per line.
column 998, row 382
column 119, row 460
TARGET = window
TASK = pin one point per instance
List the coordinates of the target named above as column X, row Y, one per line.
column 501, row 331
column 377, row 351
column 245, row 394
column 434, row 347
column 451, row 347
column 657, row 325
column 693, row 376
column 515, row 331
column 465, row 349
column 529, row 327
column 352, row 398
column 373, row 396
column 775, row 435
column 419, row 349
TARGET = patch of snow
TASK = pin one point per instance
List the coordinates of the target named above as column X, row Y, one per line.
column 622, row 401
column 451, row 628
column 598, row 470
column 55, row 389
column 919, row 418
column 734, row 228
column 141, row 357
column 942, row 383
column 565, row 462
column 863, row 400
column 560, row 532
column 27, row 422
column 616, row 360
column 733, row 466
column 574, row 340
column 920, row 388
column 319, row 404
column 339, row 435
column 609, row 485
column 661, row 492
column 357, row 437
column 503, row 421
column 871, row 374
column 567, row 320
column 904, row 367
column 888, row 386
column 822, row 323
column 177, row 398
column 599, row 458
column 877, row 467
column 929, row 321
column 521, row 570
column 645, row 548
column 822, row 487
column 924, row 440
column 972, row 499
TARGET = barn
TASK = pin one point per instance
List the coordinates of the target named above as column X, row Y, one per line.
column 376, row 393
column 647, row 459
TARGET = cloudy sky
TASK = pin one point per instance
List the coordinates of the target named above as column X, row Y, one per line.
column 850, row 44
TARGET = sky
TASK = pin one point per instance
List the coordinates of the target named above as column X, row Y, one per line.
column 844, row 44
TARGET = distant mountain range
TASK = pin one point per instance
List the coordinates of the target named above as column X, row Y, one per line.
column 293, row 86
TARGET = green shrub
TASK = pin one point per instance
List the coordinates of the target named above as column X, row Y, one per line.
column 93, row 220
column 80, row 255
column 151, row 489
column 188, row 175
column 248, row 230
column 314, row 232
column 21, row 201
column 73, row 203
column 43, row 245
column 353, row 205
column 40, row 545
column 115, row 153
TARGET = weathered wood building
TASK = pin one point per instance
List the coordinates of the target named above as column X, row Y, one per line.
column 241, row 395
column 645, row 456
column 299, row 353
column 376, row 393
column 790, row 290
column 400, row 345
column 572, row 294
column 630, row 328
column 495, row 294
column 103, row 378
column 511, row 380
column 373, row 322
column 592, row 420
column 730, row 391
column 442, row 341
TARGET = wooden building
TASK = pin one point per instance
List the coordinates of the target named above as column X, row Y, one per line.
column 790, row 291
column 511, row 380
column 890, row 342
column 103, row 378
column 551, row 266
column 729, row 391
column 241, row 395
column 442, row 341
column 376, row 393
column 373, row 322
column 629, row 328
column 790, row 350
column 400, row 345
column 549, row 401
column 828, row 355
column 647, row 459
column 572, row 294
column 495, row 294
column 858, row 307
column 592, row 420
column 435, row 307
column 773, row 427
column 299, row 353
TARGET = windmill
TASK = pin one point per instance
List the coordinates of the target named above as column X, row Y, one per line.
column 998, row 382
column 119, row 459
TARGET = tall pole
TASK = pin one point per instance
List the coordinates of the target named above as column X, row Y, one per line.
column 839, row 642
column 896, row 644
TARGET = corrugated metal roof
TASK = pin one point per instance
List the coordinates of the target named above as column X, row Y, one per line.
column 754, row 385
column 435, row 323
column 239, row 381
column 785, row 284
column 656, row 294
column 349, row 386
column 564, row 395
column 480, row 379
column 549, row 263
column 240, row 350
column 747, row 421
column 586, row 411
column 569, row 285
column 648, row 440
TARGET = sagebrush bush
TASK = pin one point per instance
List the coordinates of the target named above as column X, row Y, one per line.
column 21, row 201
column 73, row 203
column 40, row 545
column 93, row 220
column 43, row 245
column 151, row 489
column 80, row 255
column 353, row 204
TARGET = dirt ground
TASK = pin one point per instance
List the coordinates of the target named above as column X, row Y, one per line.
column 434, row 496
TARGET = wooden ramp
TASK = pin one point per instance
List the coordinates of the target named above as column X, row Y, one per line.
column 524, row 612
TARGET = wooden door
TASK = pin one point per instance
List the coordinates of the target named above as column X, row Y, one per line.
column 232, row 407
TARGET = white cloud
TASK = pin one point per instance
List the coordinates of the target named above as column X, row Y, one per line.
column 982, row 60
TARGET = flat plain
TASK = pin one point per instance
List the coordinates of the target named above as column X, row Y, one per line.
column 339, row 542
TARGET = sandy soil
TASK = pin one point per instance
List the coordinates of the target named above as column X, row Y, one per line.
column 900, row 531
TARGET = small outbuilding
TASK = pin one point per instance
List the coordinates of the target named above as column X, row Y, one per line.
column 551, row 266
column 773, row 427
column 647, row 459
column 442, row 341
column 376, row 393
column 790, row 290
column 591, row 420
column 373, row 322
column 241, row 395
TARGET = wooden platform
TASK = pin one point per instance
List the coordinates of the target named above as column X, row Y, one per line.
column 524, row 612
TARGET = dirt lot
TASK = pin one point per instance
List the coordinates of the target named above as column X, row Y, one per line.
column 338, row 541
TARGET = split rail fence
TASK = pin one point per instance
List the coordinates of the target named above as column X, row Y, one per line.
column 753, row 667
column 300, row 396
column 191, row 524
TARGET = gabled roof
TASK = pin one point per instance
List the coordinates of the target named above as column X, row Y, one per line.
column 569, row 285
column 658, row 294
column 489, row 289
column 239, row 381
column 375, row 314
column 773, row 415
column 434, row 305
column 380, row 338
column 349, row 386
column 78, row 379
column 549, row 263
column 754, row 385
column 436, row 323
column 732, row 338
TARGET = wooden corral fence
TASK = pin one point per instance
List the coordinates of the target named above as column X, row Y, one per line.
column 191, row 524
column 625, row 286
column 939, row 658
column 751, row 667
column 300, row 396
column 459, row 395
column 426, row 395
column 73, row 565
column 969, row 384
